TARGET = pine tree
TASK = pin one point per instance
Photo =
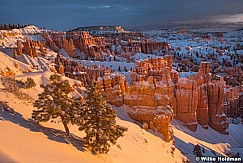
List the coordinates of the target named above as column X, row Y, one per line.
column 29, row 83
column 56, row 102
column 125, row 69
column 99, row 123
column 197, row 150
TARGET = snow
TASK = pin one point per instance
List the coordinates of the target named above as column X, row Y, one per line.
column 25, row 141
column 110, row 64
column 142, row 56
column 22, row 140
column 7, row 61
column 186, row 74
column 193, row 39
column 213, row 142
column 31, row 32
column 5, row 158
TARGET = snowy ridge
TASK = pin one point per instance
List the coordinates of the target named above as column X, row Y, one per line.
column 15, row 65
column 9, row 38
column 30, row 29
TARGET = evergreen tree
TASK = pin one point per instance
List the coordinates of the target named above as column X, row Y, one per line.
column 99, row 123
column 56, row 102
column 29, row 83
column 197, row 150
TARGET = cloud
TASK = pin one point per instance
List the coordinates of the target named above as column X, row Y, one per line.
column 66, row 14
column 230, row 18
column 99, row 7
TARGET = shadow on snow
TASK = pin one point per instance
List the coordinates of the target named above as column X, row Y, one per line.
column 52, row 134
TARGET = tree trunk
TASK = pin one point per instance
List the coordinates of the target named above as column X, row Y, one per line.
column 65, row 127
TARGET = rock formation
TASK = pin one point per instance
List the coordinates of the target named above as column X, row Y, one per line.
column 217, row 117
column 75, row 70
column 199, row 99
column 125, row 45
column 49, row 41
column 241, row 101
column 233, row 75
column 211, row 97
column 29, row 47
column 7, row 72
column 149, row 103
column 202, row 78
column 156, row 90
column 186, row 102
column 202, row 107
column 19, row 48
column 114, row 86
column 161, row 71
column 155, row 87
column 151, row 95
column 232, row 101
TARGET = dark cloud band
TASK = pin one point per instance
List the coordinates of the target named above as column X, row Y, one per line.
column 66, row 14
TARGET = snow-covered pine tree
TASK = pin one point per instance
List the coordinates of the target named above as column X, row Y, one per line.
column 99, row 122
column 57, row 102
column 29, row 83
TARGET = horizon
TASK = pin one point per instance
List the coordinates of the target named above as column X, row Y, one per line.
column 66, row 15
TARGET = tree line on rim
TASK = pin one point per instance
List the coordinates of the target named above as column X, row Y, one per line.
column 11, row 26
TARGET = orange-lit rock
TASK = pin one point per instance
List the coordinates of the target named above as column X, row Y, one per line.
column 162, row 125
column 232, row 101
column 113, row 85
column 49, row 41
column 19, row 48
column 149, row 99
column 202, row 106
column 217, row 117
column 7, row 72
column 203, row 75
column 186, row 102
column 241, row 100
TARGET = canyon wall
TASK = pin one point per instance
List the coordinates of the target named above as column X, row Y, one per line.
column 155, row 90
column 156, row 94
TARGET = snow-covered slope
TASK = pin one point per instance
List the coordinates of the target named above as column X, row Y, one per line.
column 15, row 65
column 9, row 38
column 214, row 143
column 23, row 140
column 30, row 29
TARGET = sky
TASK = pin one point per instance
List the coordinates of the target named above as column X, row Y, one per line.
column 69, row 14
